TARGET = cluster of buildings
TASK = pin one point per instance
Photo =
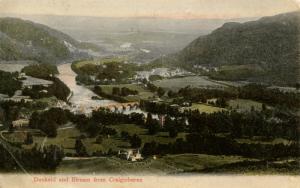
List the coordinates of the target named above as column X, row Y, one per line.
column 206, row 68
column 163, row 72
column 27, row 82
column 130, row 155
column 19, row 123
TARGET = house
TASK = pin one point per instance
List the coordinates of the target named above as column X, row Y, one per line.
column 20, row 123
column 1, row 115
column 130, row 155
column 161, row 119
column 31, row 81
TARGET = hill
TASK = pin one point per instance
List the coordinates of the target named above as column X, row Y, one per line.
column 21, row 39
column 266, row 50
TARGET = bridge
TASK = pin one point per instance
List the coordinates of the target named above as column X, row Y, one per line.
column 121, row 107
column 113, row 107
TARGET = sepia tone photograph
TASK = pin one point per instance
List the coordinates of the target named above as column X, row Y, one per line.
column 132, row 93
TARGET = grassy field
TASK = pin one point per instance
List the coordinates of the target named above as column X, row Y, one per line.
column 13, row 66
column 244, row 104
column 169, row 164
column 282, row 166
column 143, row 93
column 194, row 81
column 236, row 72
column 260, row 141
column 66, row 138
column 100, row 62
column 161, row 137
column 17, row 137
column 50, row 101
column 204, row 108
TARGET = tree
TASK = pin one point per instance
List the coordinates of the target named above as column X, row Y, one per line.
column 135, row 141
column 11, row 128
column 160, row 91
column 221, row 102
column 149, row 119
column 9, row 83
column 263, row 107
column 173, row 132
column 297, row 86
column 99, row 139
column 29, row 139
column 125, row 135
column 116, row 91
column 137, row 118
column 49, row 127
column 171, row 94
column 153, row 128
column 80, row 148
column 149, row 148
column 98, row 89
column 151, row 87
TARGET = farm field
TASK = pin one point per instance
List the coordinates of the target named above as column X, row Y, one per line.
column 244, row 104
column 143, row 93
column 99, row 62
column 194, row 81
column 204, row 108
column 67, row 136
column 237, row 72
column 169, row 164
column 13, row 66
column 260, row 141
column 161, row 137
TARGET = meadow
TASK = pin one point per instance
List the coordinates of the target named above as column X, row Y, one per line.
column 143, row 93
column 100, row 61
column 169, row 164
column 66, row 137
column 194, row 81
column 204, row 108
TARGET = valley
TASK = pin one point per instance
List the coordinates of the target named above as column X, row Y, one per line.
column 141, row 102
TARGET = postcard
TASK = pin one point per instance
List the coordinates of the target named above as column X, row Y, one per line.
column 140, row 93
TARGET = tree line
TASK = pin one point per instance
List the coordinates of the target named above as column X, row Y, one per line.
column 9, row 83
column 32, row 160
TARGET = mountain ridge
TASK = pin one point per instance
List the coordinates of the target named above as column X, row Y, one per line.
column 26, row 40
column 270, row 43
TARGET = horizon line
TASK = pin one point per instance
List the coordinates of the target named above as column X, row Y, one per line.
column 148, row 17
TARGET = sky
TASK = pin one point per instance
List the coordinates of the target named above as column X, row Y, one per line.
column 177, row 9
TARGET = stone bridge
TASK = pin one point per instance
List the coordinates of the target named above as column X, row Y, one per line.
column 121, row 107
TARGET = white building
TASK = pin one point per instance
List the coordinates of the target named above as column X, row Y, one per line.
column 131, row 155
column 20, row 123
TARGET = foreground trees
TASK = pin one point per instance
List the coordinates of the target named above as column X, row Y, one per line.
column 135, row 141
column 80, row 148
column 33, row 160
column 49, row 121
column 9, row 83
column 42, row 70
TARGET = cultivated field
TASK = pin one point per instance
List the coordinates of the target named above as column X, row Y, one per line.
column 194, row 81
column 244, row 104
column 67, row 136
column 100, row 62
column 143, row 93
column 204, row 108
column 169, row 164
column 13, row 66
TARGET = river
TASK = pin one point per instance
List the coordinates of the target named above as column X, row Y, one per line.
column 82, row 97
column 81, row 100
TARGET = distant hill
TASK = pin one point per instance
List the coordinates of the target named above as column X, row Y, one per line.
column 20, row 39
column 266, row 50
